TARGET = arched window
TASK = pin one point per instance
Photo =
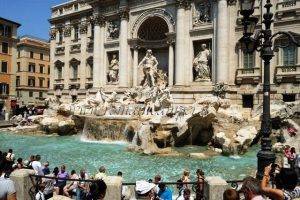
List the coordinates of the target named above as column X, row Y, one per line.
column 74, row 65
column 58, row 68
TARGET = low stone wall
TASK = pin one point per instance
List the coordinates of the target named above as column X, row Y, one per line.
column 23, row 184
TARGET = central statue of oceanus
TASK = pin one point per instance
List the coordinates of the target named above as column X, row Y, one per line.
column 149, row 64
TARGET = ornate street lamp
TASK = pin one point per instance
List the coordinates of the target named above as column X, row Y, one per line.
column 262, row 41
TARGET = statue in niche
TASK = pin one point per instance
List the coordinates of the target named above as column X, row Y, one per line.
column 202, row 14
column 113, row 70
column 200, row 64
column 113, row 30
column 149, row 64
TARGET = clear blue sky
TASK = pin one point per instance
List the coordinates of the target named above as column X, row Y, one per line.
column 32, row 14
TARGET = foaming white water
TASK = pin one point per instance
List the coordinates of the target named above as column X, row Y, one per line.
column 83, row 138
column 235, row 157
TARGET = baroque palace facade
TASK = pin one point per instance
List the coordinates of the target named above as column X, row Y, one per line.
column 193, row 45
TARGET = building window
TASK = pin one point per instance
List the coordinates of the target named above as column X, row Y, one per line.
column 4, row 67
column 4, row 89
column 74, row 98
column 31, row 54
column 7, row 31
column 247, row 101
column 248, row 60
column 76, row 7
column 48, row 69
column 59, row 72
column 1, row 29
column 4, row 47
column 41, row 56
column 30, row 94
column 40, row 94
column 48, row 83
column 61, row 11
column 31, row 81
column 18, row 66
column 92, row 29
column 60, row 36
column 31, row 67
column 289, row 97
column 18, row 81
column 75, row 71
column 41, row 69
column 76, row 33
column 289, row 56
column 41, row 82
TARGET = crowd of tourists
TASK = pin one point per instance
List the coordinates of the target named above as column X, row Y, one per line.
column 48, row 182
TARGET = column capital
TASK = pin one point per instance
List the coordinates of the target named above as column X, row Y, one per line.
column 186, row 4
column 99, row 19
column 171, row 38
column 83, row 28
column 124, row 13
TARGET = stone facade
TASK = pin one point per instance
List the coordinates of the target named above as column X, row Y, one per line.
column 195, row 43
column 8, row 52
column 33, row 69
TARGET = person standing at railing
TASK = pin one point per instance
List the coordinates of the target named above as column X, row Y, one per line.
column 7, row 188
column 61, row 182
column 37, row 166
column 200, row 184
column 164, row 193
column 185, row 178
column 72, row 186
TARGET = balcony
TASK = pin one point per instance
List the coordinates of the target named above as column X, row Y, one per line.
column 287, row 7
column 76, row 48
column 287, row 74
column 60, row 51
column 248, row 76
column 59, row 80
column 74, row 80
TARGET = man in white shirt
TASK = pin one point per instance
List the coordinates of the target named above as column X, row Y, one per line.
column 7, row 188
column 37, row 166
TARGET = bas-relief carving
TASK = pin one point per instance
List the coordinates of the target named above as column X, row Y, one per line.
column 83, row 27
column 67, row 31
column 52, row 33
column 200, row 64
column 113, row 29
column 202, row 13
column 113, row 70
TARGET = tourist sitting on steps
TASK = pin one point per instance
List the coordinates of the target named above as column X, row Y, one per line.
column 186, row 195
column 231, row 194
column 7, row 188
column 286, row 184
column 71, row 188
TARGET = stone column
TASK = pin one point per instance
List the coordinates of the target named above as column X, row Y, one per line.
column 99, row 79
column 53, row 37
column 171, row 62
column 180, row 66
column 135, row 66
column 222, row 42
column 83, row 28
column 123, row 55
column 66, row 68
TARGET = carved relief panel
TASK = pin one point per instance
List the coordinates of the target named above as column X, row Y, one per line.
column 202, row 13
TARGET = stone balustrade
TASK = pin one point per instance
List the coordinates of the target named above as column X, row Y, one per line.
column 214, row 187
column 287, row 74
column 248, row 75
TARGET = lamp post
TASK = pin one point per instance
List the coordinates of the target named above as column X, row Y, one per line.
column 262, row 41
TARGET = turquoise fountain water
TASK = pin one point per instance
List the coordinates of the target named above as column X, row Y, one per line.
column 77, row 154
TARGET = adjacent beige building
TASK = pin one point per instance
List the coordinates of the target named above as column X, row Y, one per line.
column 100, row 44
column 8, row 57
column 32, row 71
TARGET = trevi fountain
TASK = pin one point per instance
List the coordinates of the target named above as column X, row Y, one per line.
column 142, row 132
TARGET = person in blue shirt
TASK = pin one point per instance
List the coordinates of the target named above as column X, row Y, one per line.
column 164, row 192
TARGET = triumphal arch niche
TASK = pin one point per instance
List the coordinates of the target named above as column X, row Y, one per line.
column 153, row 35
